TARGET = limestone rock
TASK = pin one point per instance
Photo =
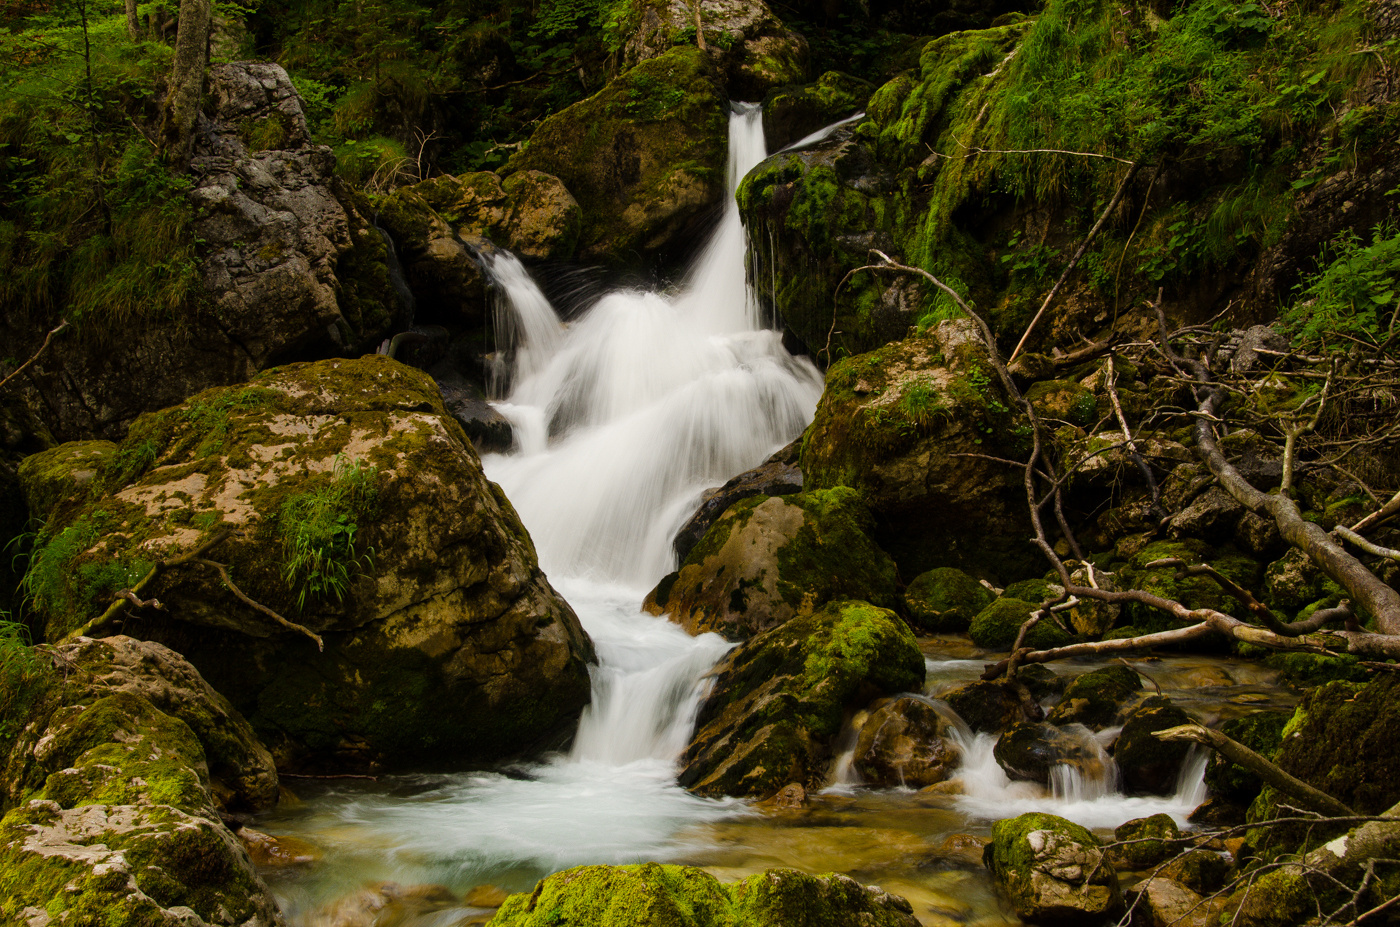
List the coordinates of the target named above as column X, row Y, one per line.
column 905, row 742
column 1052, row 871
column 360, row 512
column 653, row 895
column 1262, row 732
column 1146, row 842
column 1161, row 902
column 779, row 475
column 779, row 698
column 49, row 477
column 771, row 558
column 644, row 157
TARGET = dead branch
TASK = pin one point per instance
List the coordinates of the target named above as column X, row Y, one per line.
column 1241, row 755
column 1078, row 255
column 139, row 602
column 1375, row 518
column 244, row 598
column 971, row 151
column 1388, row 553
column 1088, row 352
column 1111, row 386
column 1295, row 430
column 62, row 325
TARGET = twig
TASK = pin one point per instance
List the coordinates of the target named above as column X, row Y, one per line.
column 243, row 597
column 63, row 324
column 1388, row 553
column 1078, row 154
column 1110, row 384
column 1083, row 248
column 1375, row 518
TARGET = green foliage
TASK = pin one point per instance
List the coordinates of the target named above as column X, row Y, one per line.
column 64, row 582
column 1353, row 297
column 23, row 675
column 317, row 529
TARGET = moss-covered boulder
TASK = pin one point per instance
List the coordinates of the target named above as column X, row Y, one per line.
column 779, row 475
column 905, row 742
column 792, row 113
column 1030, row 752
column 997, row 626
column 944, row 600
column 1098, row 699
column 644, row 157
column 49, row 477
column 1191, row 591
column 343, row 498
column 771, row 558
column 1150, row 766
column 989, row 707
column 653, row 895
column 113, row 815
column 1052, row 871
column 1260, row 731
column 1144, row 842
column 779, row 698
column 911, row 425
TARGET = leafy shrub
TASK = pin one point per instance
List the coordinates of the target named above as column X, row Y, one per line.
column 1353, row 297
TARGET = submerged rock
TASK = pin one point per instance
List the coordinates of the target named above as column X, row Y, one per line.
column 772, row 558
column 644, row 157
column 905, row 742
column 653, row 895
column 350, row 503
column 1052, row 871
column 779, row 698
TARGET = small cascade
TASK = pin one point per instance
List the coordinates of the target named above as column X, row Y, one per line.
column 407, row 302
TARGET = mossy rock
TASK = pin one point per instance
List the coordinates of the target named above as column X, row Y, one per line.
column 653, row 895
column 945, row 600
column 644, row 157
column 997, row 625
column 1150, row 766
column 438, row 600
column 1098, row 699
column 1052, row 870
column 64, row 472
column 771, row 558
column 1063, row 401
column 1191, row 591
column 1146, row 842
column 1262, row 732
column 1033, row 590
column 990, row 707
column 1030, row 751
column 1317, row 669
column 1199, row 870
column 791, row 113
column 1042, row 681
column 780, row 697
column 910, row 425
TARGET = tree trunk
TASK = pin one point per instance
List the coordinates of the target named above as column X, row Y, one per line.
column 186, row 80
column 133, row 22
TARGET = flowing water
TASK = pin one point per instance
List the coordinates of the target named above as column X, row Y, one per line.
column 622, row 418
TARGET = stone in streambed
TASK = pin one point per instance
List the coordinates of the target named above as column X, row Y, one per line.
column 990, row 707
column 1030, row 751
column 905, row 742
column 1098, row 699
column 997, row 626
column 779, row 475
column 779, row 698
column 1146, row 842
column 792, row 113
column 945, row 600
column 1052, row 871
column 769, row 559
column 1151, row 766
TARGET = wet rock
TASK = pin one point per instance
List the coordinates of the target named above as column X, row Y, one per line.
column 747, row 43
column 1150, row 766
column 652, row 895
column 1146, row 842
column 389, row 904
column 488, row 430
column 1031, row 751
column 963, row 850
column 644, row 157
column 275, row 852
column 1098, row 699
column 1201, row 871
column 771, row 558
column 990, row 707
column 1191, row 591
column 779, row 698
column 997, row 626
column 792, row 113
column 1063, row 401
column 779, row 475
column 1041, row 680
column 791, row 797
column 1261, row 732
column 945, row 600
column 1052, row 871
column 905, row 742
column 1162, row 902
column 427, row 590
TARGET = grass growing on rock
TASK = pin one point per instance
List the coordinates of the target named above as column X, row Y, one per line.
column 317, row 528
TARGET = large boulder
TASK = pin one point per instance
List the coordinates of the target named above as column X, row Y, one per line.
column 772, row 558
column 1098, row 699
column 1151, row 766
column 779, row 698
column 113, row 787
column 748, row 44
column 1052, row 871
column 906, row 742
column 347, row 506
column 945, row 599
column 911, row 426
column 288, row 264
column 779, row 475
column 644, row 157
column 653, row 895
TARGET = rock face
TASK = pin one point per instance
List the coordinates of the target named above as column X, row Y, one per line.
column 779, row 698
column 792, row 113
column 905, row 742
column 288, row 265
column 644, row 157
column 652, row 895
column 353, row 506
column 905, row 425
column 121, row 766
column 769, row 559
column 747, row 43
column 1052, row 871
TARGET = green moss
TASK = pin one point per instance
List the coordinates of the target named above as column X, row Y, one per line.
column 648, row 895
column 945, row 599
column 1191, row 591
column 1149, row 844
column 1012, row 860
column 1315, row 669
column 996, row 626
column 1096, row 699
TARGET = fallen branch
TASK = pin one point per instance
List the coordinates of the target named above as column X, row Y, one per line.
column 62, row 325
column 1388, row 553
column 1240, row 755
column 244, row 598
column 1375, row 518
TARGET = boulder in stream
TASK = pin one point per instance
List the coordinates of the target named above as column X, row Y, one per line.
column 772, row 558
column 342, row 497
column 1031, row 751
column 945, row 599
column 779, row 698
column 1151, row 766
column 1052, row 871
column 1098, row 699
column 779, row 475
column 905, row 742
